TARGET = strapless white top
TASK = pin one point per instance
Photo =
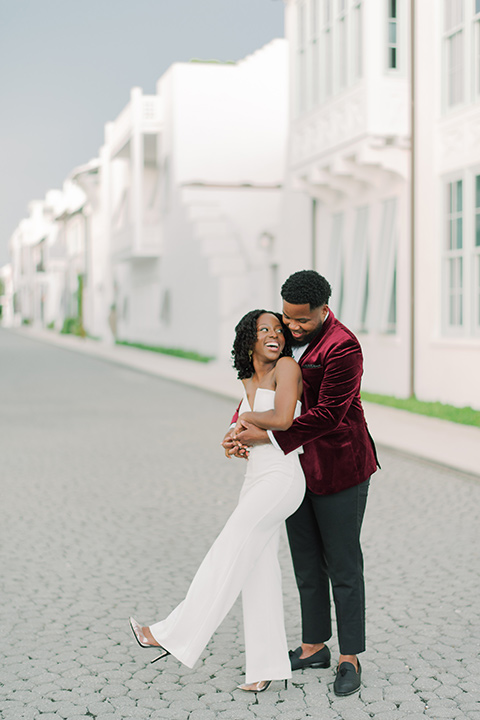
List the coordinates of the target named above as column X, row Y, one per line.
column 265, row 400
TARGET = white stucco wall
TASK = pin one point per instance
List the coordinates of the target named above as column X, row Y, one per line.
column 447, row 361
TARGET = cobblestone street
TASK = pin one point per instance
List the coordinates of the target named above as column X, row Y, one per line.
column 113, row 486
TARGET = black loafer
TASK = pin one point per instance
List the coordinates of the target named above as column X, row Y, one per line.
column 320, row 659
column 348, row 679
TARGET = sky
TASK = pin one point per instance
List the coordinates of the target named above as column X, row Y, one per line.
column 67, row 66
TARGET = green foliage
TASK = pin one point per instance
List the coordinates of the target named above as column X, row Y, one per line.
column 463, row 415
column 2, row 287
column 176, row 352
column 73, row 326
column 26, row 321
column 51, row 325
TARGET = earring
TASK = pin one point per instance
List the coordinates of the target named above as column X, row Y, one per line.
column 250, row 353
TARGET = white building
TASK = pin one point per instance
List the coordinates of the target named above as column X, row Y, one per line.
column 6, row 296
column 97, row 301
column 346, row 211
column 175, row 219
column 447, row 208
column 194, row 186
column 348, row 205
column 37, row 268
column 48, row 259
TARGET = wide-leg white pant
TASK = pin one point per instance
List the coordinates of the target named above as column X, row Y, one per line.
column 244, row 557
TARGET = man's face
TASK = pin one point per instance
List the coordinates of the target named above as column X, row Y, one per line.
column 303, row 322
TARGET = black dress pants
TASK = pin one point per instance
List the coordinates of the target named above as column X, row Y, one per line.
column 324, row 537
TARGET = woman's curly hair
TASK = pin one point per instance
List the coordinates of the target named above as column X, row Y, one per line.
column 245, row 339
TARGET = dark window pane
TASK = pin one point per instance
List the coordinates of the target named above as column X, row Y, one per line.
column 459, row 233
column 450, row 197
column 392, row 32
column 392, row 58
column 393, row 8
column 392, row 310
column 477, row 6
column 459, row 196
column 450, row 234
column 477, row 230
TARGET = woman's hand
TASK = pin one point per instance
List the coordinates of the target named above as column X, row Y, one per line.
column 232, row 447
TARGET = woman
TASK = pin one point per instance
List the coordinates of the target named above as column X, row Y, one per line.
column 244, row 557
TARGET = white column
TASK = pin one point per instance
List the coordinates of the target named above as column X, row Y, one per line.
column 137, row 163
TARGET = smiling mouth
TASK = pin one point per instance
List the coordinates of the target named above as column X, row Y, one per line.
column 273, row 346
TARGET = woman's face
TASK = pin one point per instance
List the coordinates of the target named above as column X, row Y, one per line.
column 270, row 338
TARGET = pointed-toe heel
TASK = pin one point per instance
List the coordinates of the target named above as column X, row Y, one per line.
column 256, row 686
column 137, row 634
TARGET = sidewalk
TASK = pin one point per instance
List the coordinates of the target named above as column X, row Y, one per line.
column 450, row 444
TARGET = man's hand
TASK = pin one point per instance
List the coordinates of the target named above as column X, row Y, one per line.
column 252, row 435
column 232, row 447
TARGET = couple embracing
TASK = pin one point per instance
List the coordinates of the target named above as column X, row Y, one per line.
column 310, row 458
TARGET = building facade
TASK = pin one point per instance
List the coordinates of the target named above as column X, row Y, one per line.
column 347, row 206
column 175, row 219
column 447, row 209
column 402, row 257
column 195, row 174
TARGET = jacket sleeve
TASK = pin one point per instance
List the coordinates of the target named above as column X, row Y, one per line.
column 343, row 367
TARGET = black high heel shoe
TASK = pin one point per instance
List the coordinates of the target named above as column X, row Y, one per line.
column 256, row 689
column 137, row 633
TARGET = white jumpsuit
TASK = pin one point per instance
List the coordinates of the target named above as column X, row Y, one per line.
column 244, row 557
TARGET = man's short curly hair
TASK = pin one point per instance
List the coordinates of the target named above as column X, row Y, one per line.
column 245, row 339
column 306, row 287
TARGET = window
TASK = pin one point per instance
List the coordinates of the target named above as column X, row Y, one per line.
column 476, row 254
column 327, row 48
column 384, row 305
column 357, row 42
column 454, row 254
column 314, row 52
column 301, row 59
column 476, row 39
column 393, row 34
column 454, row 52
column 165, row 308
column 342, row 45
column 357, row 288
column 360, row 266
column 335, row 264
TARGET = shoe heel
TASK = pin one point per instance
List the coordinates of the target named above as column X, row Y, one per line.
column 159, row 657
column 286, row 684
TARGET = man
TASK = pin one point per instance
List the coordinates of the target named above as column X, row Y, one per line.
column 338, row 459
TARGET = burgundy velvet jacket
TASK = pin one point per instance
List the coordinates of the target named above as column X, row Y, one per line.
column 338, row 451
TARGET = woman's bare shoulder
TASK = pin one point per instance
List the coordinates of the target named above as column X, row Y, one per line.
column 288, row 364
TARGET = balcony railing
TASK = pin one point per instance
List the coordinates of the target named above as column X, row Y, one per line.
column 143, row 114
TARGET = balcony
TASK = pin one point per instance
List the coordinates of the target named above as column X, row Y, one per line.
column 143, row 114
column 147, row 245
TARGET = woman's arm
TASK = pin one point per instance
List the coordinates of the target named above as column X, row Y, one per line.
column 288, row 379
